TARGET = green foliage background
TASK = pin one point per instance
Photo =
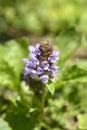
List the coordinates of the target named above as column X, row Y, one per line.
column 65, row 23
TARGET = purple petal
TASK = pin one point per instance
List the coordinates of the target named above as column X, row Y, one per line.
column 37, row 52
column 37, row 45
column 53, row 68
column 32, row 55
column 44, row 78
column 56, row 52
column 53, row 58
column 53, row 74
column 31, row 48
column 32, row 63
column 27, row 70
column 25, row 60
column 33, row 74
column 34, row 50
column 35, row 60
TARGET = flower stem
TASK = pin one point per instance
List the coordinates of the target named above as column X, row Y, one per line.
column 43, row 101
column 42, row 107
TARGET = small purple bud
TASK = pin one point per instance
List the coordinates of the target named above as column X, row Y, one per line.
column 44, row 78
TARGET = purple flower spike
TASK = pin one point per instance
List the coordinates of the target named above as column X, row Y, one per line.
column 44, row 78
column 45, row 65
column 41, row 62
column 40, row 71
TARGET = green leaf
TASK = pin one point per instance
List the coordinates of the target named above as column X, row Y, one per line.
column 18, row 50
column 67, row 42
column 82, row 63
column 18, row 121
column 11, row 55
column 74, row 73
column 82, row 121
column 51, row 88
column 4, row 125
column 7, row 75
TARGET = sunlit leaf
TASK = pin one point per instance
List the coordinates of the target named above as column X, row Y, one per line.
column 51, row 88
column 82, row 121
column 4, row 125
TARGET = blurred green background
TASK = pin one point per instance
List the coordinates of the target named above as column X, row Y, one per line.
column 64, row 23
column 42, row 17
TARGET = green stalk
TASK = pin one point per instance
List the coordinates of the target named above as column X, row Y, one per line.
column 41, row 120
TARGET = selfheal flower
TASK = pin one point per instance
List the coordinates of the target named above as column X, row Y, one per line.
column 54, row 56
column 40, row 71
column 27, row 70
column 34, row 61
column 31, row 63
column 44, row 78
column 45, row 65
column 34, row 50
column 53, row 68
